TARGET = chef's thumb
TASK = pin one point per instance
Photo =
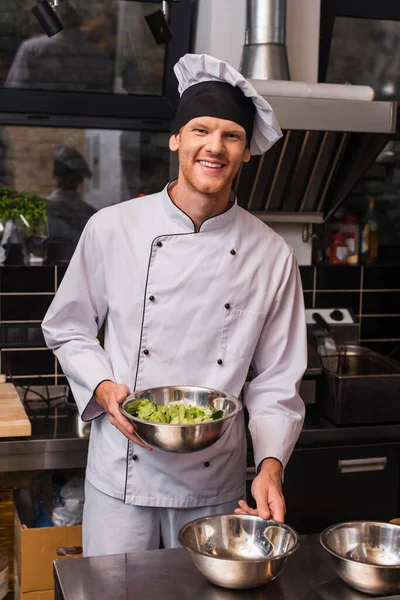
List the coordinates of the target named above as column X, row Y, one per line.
column 122, row 393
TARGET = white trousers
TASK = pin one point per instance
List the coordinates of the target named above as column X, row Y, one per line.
column 112, row 527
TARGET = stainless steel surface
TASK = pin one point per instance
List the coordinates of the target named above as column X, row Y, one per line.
column 325, row 115
column 183, row 438
column 265, row 61
column 238, row 551
column 265, row 22
column 358, row 361
column 362, row 465
column 360, row 387
column 59, row 440
column 288, row 217
column 326, row 148
column 170, row 574
column 264, row 53
column 56, row 443
column 366, row 555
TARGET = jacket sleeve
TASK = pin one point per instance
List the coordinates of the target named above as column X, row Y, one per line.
column 276, row 411
column 73, row 320
column 19, row 74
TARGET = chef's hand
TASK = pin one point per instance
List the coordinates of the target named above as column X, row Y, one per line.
column 110, row 395
column 266, row 490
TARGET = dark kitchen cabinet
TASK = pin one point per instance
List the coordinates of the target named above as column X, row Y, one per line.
column 329, row 485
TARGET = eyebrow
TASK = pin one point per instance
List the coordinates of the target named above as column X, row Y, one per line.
column 202, row 125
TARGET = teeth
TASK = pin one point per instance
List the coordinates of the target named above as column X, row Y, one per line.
column 209, row 164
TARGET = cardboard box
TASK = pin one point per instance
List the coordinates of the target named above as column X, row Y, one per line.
column 41, row 595
column 37, row 548
column 44, row 595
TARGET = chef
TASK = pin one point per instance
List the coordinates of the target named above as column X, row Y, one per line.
column 67, row 212
column 193, row 290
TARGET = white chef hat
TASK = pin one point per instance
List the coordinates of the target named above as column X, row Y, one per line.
column 210, row 87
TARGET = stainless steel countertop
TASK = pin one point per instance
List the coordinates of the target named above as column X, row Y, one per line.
column 170, row 574
column 60, row 439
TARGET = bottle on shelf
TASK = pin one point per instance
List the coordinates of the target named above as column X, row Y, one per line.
column 349, row 226
column 338, row 249
column 369, row 235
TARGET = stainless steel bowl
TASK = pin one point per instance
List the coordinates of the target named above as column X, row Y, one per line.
column 183, row 438
column 366, row 555
column 238, row 551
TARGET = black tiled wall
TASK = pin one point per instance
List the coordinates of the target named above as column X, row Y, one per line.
column 25, row 295
column 373, row 292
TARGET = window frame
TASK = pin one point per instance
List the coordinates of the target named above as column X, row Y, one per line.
column 330, row 9
column 109, row 111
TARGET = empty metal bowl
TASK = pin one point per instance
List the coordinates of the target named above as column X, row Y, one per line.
column 183, row 438
column 238, row 551
column 366, row 555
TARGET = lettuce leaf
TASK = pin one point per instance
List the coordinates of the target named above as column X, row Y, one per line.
column 176, row 413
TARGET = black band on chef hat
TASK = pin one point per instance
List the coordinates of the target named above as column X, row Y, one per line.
column 216, row 99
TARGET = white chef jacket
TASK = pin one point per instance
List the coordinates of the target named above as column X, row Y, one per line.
column 229, row 293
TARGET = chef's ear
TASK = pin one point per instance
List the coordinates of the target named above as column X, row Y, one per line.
column 246, row 155
column 174, row 141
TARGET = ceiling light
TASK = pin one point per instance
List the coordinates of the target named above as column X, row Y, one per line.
column 47, row 18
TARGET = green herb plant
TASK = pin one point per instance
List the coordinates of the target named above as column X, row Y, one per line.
column 13, row 204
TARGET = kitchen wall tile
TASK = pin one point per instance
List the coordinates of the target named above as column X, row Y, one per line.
column 24, row 308
column 11, row 335
column 338, row 277
column 381, row 303
column 61, row 270
column 21, row 335
column 27, row 279
column 338, row 300
column 308, row 299
column 27, row 362
column 381, row 278
column 307, row 277
column 385, row 328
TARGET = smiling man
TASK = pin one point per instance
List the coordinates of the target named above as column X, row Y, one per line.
column 211, row 152
column 193, row 290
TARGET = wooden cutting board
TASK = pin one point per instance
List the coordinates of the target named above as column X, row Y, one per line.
column 14, row 421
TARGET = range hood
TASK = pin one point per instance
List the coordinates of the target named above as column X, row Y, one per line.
column 328, row 142
column 326, row 148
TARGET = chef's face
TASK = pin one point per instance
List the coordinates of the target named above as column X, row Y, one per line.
column 211, row 152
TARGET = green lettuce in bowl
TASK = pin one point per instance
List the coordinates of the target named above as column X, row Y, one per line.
column 175, row 413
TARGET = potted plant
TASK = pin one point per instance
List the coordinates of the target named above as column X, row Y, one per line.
column 28, row 213
column 8, row 201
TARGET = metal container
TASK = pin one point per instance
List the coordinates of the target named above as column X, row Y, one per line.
column 238, row 551
column 183, row 438
column 359, row 387
column 366, row 555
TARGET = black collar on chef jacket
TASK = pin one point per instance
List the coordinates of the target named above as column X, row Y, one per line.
column 184, row 221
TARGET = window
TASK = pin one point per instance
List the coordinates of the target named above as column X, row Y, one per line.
column 104, row 48
column 105, row 62
column 81, row 171
column 365, row 52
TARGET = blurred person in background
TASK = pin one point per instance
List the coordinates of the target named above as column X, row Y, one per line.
column 67, row 212
column 68, row 61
